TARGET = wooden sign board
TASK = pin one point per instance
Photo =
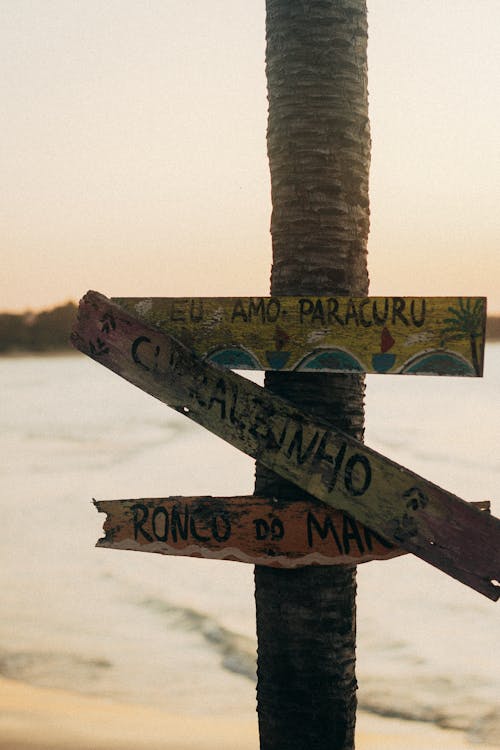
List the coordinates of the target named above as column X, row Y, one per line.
column 397, row 335
column 257, row 530
column 401, row 506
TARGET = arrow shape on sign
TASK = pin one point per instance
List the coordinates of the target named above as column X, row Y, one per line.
column 257, row 530
column 401, row 506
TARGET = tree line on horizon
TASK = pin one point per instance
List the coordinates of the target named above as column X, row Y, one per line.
column 49, row 330
column 43, row 331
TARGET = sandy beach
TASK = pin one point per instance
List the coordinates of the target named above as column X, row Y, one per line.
column 103, row 650
column 33, row 718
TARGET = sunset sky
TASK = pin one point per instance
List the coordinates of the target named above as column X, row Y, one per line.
column 134, row 154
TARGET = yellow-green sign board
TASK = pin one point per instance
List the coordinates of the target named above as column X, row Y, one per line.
column 396, row 335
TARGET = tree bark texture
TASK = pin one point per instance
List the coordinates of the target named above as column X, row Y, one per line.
column 319, row 156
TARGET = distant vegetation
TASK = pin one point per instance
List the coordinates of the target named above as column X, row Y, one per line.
column 45, row 331
column 48, row 331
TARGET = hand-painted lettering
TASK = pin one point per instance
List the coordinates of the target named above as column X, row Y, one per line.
column 318, row 312
column 296, row 444
column 398, row 305
column 369, row 535
column 98, row 347
column 218, row 396
column 322, row 530
column 333, row 306
column 406, row 527
column 239, row 311
column 233, row 415
column 261, row 427
column 221, row 520
column 351, row 313
column 418, row 322
column 380, row 318
column 140, row 514
column 356, row 479
column 256, row 309
column 416, row 498
column 135, row 350
column 273, row 310
column 160, row 512
column 265, row 530
column 260, row 308
column 179, row 524
column 364, row 322
column 350, row 532
column 306, row 307
column 261, row 529
column 194, row 531
column 365, row 312
column 108, row 322
column 330, row 477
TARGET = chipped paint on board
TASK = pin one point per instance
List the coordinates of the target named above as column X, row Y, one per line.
column 445, row 335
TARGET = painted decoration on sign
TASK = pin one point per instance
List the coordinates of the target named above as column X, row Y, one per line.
column 257, row 530
column 397, row 335
column 404, row 508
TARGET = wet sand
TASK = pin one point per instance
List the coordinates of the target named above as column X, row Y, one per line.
column 33, row 718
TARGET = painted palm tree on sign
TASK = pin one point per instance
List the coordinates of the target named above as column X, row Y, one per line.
column 319, row 155
column 467, row 322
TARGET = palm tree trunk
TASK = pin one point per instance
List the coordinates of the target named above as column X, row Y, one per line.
column 319, row 154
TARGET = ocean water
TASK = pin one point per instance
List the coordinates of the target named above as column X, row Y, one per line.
column 180, row 632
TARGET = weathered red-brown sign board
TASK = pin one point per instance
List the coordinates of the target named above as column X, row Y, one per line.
column 401, row 506
column 257, row 530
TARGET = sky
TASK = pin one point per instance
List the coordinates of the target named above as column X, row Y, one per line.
column 133, row 151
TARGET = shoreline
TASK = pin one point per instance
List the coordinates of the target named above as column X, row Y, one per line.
column 38, row 353
column 70, row 351
column 35, row 718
